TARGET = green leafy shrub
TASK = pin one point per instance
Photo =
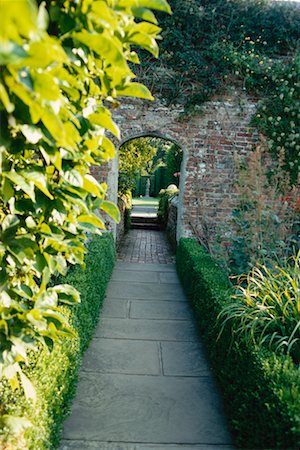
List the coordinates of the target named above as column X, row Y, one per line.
column 61, row 64
column 134, row 156
column 54, row 374
column 173, row 160
column 165, row 195
column 278, row 117
column 266, row 307
column 258, row 386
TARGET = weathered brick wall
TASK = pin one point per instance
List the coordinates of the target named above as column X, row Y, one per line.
column 209, row 141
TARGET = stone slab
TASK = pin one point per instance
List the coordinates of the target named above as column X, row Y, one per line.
column 146, row 291
column 98, row 445
column 122, row 356
column 160, row 310
column 184, row 359
column 146, row 409
column 157, row 330
column 140, row 267
column 115, row 308
column 169, row 277
column 139, row 277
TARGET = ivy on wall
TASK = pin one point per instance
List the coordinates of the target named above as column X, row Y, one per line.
column 210, row 45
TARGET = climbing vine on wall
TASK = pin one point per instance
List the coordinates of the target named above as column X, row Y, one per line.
column 210, row 46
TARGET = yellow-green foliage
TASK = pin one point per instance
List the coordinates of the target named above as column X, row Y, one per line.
column 61, row 63
column 54, row 374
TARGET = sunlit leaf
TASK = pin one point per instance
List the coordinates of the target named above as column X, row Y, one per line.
column 136, row 90
column 111, row 209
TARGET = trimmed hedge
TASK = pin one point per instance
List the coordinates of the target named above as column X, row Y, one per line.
column 261, row 390
column 55, row 374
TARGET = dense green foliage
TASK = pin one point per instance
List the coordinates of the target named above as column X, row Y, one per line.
column 165, row 196
column 173, row 159
column 55, row 374
column 62, row 64
column 211, row 46
column 135, row 156
column 259, row 387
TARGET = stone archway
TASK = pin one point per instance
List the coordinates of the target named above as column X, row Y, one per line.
column 209, row 140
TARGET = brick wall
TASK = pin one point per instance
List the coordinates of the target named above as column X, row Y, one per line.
column 209, row 141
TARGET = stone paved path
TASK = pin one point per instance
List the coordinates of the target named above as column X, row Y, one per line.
column 145, row 383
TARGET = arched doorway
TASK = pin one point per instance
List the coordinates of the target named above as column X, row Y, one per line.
column 148, row 163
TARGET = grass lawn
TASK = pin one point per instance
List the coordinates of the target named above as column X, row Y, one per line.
column 143, row 201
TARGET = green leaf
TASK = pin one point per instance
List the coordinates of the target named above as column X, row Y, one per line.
column 39, row 180
column 91, row 219
column 67, row 294
column 5, row 99
column 159, row 5
column 47, row 299
column 53, row 123
column 136, row 90
column 103, row 119
column 111, row 209
column 21, row 183
column 44, row 84
column 7, row 189
column 20, row 21
column 145, row 14
column 73, row 177
column 10, row 221
column 29, row 390
column 146, row 42
column 108, row 146
column 91, row 185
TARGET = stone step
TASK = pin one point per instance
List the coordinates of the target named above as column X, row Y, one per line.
column 145, row 226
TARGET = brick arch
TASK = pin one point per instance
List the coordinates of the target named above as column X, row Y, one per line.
column 209, row 141
column 128, row 135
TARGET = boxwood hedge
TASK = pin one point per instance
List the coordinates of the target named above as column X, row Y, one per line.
column 54, row 374
column 261, row 389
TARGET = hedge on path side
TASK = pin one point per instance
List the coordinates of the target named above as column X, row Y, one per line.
column 261, row 390
column 55, row 373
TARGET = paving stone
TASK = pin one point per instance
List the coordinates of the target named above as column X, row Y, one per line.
column 147, row 291
column 122, row 356
column 160, row 310
column 140, row 277
column 146, row 409
column 139, row 267
column 184, row 359
column 171, row 278
column 98, row 445
column 157, row 330
column 115, row 308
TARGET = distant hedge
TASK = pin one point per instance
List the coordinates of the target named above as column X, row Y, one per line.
column 261, row 390
column 55, row 374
